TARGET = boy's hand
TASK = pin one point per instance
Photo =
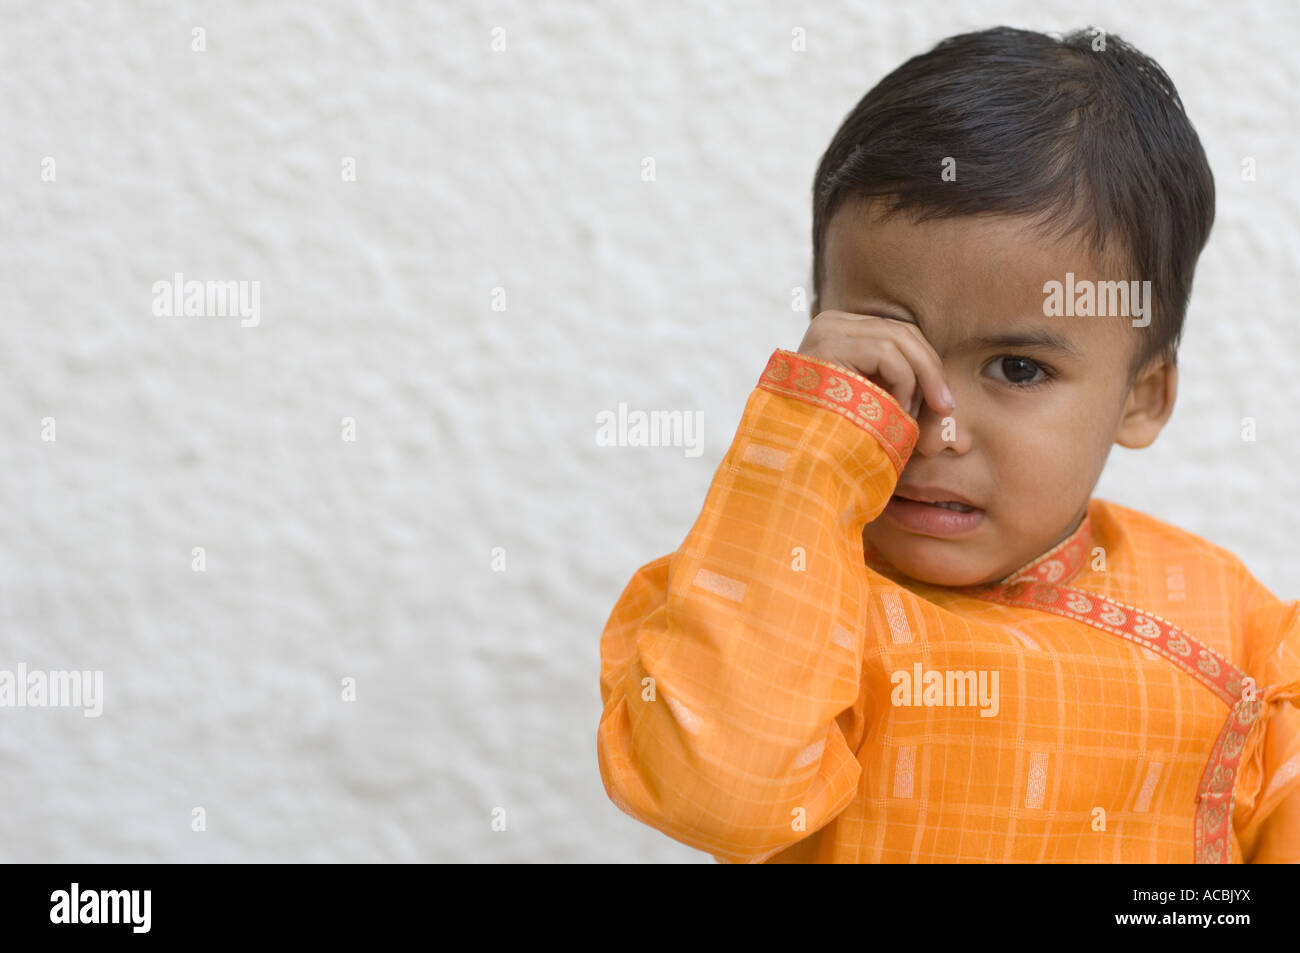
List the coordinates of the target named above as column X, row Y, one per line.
column 888, row 352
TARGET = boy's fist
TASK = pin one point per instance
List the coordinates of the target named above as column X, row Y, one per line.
column 888, row 352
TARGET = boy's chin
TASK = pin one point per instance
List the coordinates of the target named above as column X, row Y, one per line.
column 949, row 571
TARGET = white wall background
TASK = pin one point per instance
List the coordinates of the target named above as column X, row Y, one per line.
column 476, row 169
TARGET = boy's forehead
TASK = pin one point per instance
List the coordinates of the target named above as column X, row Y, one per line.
column 982, row 275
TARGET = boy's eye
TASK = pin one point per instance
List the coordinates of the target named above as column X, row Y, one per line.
column 1021, row 371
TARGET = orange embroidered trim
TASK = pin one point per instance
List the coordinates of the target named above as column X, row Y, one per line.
column 1214, row 796
column 837, row 388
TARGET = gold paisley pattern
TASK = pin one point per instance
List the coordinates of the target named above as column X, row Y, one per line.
column 1112, row 615
column 1233, row 744
column 1045, row 593
column 777, row 370
column 1208, row 664
column 1147, row 628
column 869, row 408
column 1221, row 780
column 1077, row 602
column 838, row 389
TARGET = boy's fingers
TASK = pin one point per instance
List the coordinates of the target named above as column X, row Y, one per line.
column 916, row 332
column 896, row 372
column 907, row 364
column 928, row 367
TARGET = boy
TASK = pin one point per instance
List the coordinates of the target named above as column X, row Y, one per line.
column 901, row 628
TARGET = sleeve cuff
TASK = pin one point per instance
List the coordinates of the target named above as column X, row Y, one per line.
column 847, row 393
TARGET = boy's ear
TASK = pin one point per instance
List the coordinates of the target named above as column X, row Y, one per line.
column 1148, row 406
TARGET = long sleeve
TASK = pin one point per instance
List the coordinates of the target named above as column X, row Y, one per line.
column 1267, row 802
column 725, row 665
column 1279, row 834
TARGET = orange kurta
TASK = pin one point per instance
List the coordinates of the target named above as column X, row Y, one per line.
column 773, row 691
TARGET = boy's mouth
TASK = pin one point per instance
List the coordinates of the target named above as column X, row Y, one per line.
column 933, row 512
column 946, row 504
column 936, row 497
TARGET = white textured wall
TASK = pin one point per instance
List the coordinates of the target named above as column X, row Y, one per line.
column 371, row 559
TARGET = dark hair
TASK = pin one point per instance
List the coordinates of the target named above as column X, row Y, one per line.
column 1085, row 132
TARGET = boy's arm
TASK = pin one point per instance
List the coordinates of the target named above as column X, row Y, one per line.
column 724, row 665
column 1268, row 788
column 1279, row 835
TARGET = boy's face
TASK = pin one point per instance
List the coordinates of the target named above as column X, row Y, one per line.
column 1027, row 456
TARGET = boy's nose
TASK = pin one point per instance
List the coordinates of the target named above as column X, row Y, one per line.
column 942, row 431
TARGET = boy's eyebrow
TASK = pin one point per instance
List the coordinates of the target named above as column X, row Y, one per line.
column 1041, row 337
column 1038, row 337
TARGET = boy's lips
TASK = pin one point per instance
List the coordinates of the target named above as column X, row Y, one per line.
column 929, row 519
column 933, row 511
column 933, row 494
